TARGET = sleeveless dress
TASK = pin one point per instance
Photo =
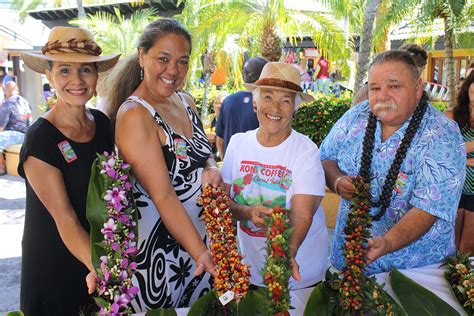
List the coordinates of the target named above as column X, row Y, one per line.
column 165, row 271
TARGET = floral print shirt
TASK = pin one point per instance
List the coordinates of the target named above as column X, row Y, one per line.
column 430, row 178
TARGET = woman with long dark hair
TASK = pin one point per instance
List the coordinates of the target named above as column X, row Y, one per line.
column 463, row 114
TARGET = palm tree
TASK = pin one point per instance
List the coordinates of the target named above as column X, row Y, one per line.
column 455, row 14
column 114, row 33
column 257, row 27
column 365, row 47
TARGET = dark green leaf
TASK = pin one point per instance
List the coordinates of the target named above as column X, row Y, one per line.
column 417, row 300
column 96, row 211
column 203, row 304
column 254, row 304
column 161, row 312
column 318, row 302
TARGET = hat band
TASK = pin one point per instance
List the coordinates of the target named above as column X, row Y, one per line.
column 279, row 83
column 72, row 46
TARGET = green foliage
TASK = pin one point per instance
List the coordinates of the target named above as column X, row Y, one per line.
column 318, row 302
column 198, row 93
column 254, row 303
column 14, row 313
column 317, row 118
column 440, row 105
column 114, row 32
column 161, row 312
column 411, row 294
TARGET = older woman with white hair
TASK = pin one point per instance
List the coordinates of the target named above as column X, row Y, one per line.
column 56, row 160
column 275, row 165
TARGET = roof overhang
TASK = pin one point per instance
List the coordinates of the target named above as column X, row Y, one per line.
column 60, row 16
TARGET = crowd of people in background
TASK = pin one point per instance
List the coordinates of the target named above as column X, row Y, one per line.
column 393, row 138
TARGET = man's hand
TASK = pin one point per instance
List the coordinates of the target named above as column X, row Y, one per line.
column 377, row 247
column 345, row 187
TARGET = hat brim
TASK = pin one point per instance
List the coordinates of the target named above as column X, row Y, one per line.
column 304, row 96
column 39, row 62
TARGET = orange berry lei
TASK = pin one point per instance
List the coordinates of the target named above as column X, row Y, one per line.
column 232, row 274
column 277, row 270
column 359, row 293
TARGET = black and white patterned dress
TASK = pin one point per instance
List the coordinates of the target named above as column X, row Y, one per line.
column 165, row 272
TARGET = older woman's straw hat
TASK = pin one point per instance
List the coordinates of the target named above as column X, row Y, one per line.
column 70, row 45
column 281, row 76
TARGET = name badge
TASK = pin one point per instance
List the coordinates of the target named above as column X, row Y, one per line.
column 67, row 151
column 400, row 182
column 181, row 149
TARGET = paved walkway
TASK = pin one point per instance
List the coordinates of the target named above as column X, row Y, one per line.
column 12, row 216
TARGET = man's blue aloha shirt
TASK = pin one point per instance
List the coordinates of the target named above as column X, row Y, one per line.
column 431, row 178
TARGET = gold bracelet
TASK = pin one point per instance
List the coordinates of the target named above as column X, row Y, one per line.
column 336, row 183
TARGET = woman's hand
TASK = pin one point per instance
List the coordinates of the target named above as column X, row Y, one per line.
column 257, row 213
column 212, row 175
column 90, row 281
column 205, row 264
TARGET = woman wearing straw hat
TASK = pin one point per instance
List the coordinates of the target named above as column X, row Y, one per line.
column 55, row 161
column 158, row 132
column 275, row 165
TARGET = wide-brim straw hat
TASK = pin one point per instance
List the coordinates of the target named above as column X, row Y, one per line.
column 280, row 76
column 69, row 45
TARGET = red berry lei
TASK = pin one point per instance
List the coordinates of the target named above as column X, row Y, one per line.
column 359, row 293
column 277, row 269
column 232, row 274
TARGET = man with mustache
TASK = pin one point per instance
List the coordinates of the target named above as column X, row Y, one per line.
column 414, row 160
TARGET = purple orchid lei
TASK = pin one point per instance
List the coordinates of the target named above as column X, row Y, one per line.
column 114, row 276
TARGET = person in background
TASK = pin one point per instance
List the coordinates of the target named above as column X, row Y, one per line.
column 361, row 95
column 237, row 114
column 413, row 158
column 322, row 79
column 15, row 118
column 9, row 76
column 212, row 119
column 55, row 161
column 276, row 166
column 418, row 53
column 463, row 115
column 158, row 132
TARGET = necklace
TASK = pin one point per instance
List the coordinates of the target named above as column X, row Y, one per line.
column 392, row 174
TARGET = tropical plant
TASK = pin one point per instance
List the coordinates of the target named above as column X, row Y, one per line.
column 255, row 26
column 114, row 32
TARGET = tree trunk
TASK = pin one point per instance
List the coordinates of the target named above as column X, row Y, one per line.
column 384, row 43
column 81, row 13
column 205, row 96
column 449, row 62
column 365, row 46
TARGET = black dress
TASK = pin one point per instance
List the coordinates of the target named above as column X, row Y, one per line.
column 52, row 279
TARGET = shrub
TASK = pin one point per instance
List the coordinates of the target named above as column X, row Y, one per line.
column 316, row 119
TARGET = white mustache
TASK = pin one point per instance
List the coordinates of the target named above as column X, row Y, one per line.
column 386, row 106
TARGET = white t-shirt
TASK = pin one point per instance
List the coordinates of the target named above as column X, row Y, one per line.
column 271, row 176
